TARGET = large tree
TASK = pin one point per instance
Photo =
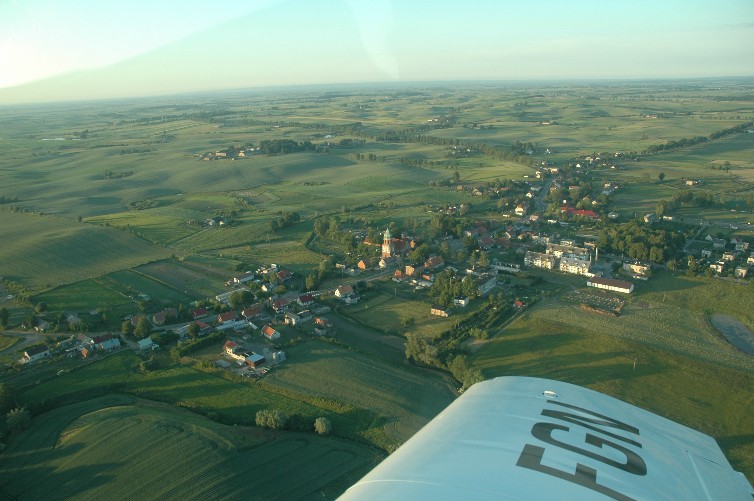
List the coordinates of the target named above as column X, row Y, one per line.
column 4, row 317
column 143, row 328
column 239, row 299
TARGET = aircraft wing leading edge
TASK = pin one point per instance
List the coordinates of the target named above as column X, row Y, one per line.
column 530, row 439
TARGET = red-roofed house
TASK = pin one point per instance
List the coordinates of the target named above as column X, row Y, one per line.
column 199, row 313
column 283, row 275
column 163, row 316
column 229, row 346
column 306, row 300
column 365, row 264
column 202, row 326
column 580, row 212
column 434, row 262
column 486, row 242
column 280, row 305
column 270, row 333
column 228, row 316
column 252, row 311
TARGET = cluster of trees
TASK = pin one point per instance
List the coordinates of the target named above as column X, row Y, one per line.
column 463, row 372
column 421, row 350
column 190, row 346
column 117, row 175
column 372, row 157
column 141, row 330
column 447, row 287
column 284, row 146
column 16, row 418
column 4, row 317
column 325, row 269
column 348, row 143
column 278, row 420
column 288, row 219
column 274, row 420
column 416, row 162
column 143, row 204
column 639, row 241
column 684, row 142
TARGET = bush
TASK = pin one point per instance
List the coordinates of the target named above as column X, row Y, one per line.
column 18, row 419
column 323, row 426
column 274, row 420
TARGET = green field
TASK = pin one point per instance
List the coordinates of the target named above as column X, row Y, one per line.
column 111, row 448
column 43, row 251
column 402, row 399
column 390, row 312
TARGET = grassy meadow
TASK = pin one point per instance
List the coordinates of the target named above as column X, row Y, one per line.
column 110, row 447
column 44, row 251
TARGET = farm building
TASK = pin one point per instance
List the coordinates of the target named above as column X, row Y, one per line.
column 611, row 284
column 439, row 311
column 242, row 279
column 37, row 352
column 229, row 346
column 106, row 342
column 255, row 360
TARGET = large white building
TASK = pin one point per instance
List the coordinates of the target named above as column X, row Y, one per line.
column 575, row 265
column 539, row 260
column 611, row 284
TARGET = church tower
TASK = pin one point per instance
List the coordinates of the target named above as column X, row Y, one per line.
column 387, row 244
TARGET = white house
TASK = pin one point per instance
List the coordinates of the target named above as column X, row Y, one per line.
column 35, row 353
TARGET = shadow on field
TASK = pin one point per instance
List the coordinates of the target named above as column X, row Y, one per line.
column 733, row 441
column 36, row 474
column 583, row 369
column 528, row 344
column 669, row 283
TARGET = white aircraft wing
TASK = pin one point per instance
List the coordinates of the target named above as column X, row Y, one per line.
column 535, row 439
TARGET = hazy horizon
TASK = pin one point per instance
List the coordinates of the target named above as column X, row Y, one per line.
column 85, row 50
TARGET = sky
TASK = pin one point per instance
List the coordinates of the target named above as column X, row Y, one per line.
column 83, row 49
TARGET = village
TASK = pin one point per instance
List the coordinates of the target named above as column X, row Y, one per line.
column 552, row 227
